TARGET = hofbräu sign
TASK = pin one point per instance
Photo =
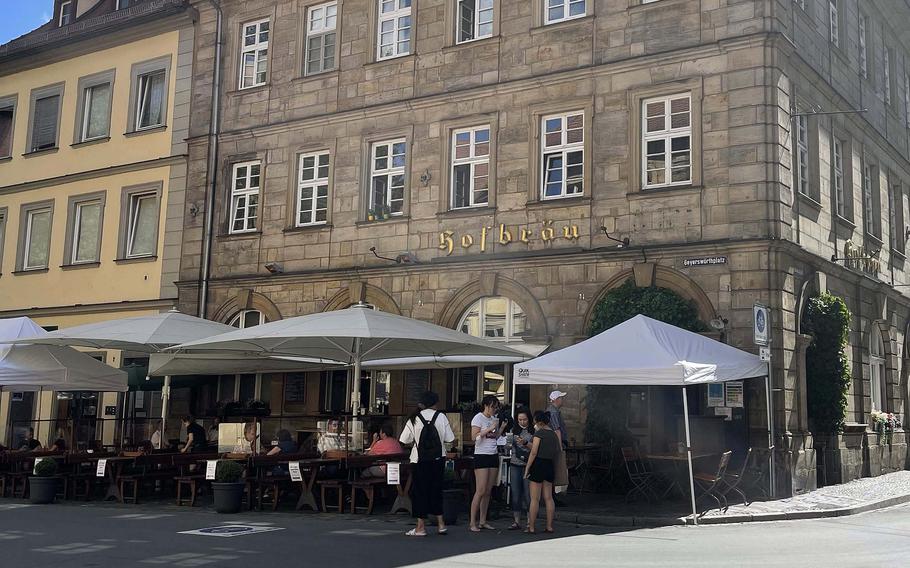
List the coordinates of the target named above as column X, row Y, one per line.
column 504, row 235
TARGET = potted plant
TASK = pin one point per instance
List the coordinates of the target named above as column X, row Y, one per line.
column 228, row 487
column 42, row 486
column 371, row 215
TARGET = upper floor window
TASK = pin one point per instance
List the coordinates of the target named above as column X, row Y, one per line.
column 667, row 141
column 563, row 149
column 313, row 189
column 387, row 171
column 802, row 154
column 320, row 39
column 877, row 368
column 254, row 54
column 2, row 234
column 85, row 239
column 121, row 4
column 562, row 10
column 66, row 13
column 45, row 119
column 394, row 28
column 906, row 100
column 150, row 102
column 94, row 110
column 37, row 238
column 142, row 227
column 475, row 19
column 247, row 318
column 833, row 23
column 496, row 318
column 245, row 197
column 837, row 177
column 895, row 214
column 470, row 167
column 886, row 75
column 870, row 210
column 863, row 54
column 7, row 123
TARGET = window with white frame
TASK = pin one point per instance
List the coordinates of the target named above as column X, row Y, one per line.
column 321, row 37
column 563, row 155
column 313, row 189
column 387, row 172
column 886, row 75
column 247, row 318
column 142, row 228
column 475, row 20
column 666, row 141
column 863, row 54
column 833, row 23
column 254, row 54
column 470, row 167
column 150, row 99
column 66, row 14
column 394, row 28
column 869, row 214
column 895, row 233
column 3, row 216
column 122, row 4
column 496, row 318
column 245, row 181
column 877, row 368
column 837, row 177
column 37, row 241
column 86, row 237
column 96, row 112
column 561, row 10
column 802, row 154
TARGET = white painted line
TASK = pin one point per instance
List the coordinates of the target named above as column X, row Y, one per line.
column 231, row 530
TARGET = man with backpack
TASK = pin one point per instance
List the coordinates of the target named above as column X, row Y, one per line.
column 428, row 430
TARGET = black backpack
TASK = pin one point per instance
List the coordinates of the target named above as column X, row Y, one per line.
column 429, row 447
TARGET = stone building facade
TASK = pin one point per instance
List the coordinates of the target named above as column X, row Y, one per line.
column 423, row 155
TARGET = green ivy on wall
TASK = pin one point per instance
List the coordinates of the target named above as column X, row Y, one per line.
column 827, row 320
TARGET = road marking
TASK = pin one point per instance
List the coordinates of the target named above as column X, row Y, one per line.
column 141, row 517
column 232, row 530
column 14, row 506
column 74, row 548
column 190, row 559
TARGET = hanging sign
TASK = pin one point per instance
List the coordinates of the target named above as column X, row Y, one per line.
column 102, row 468
column 715, row 394
column 393, row 473
column 734, row 391
column 210, row 467
column 761, row 325
column 294, row 468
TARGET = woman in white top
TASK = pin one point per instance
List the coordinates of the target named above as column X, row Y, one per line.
column 485, row 429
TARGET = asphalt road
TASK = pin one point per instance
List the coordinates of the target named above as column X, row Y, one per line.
column 67, row 535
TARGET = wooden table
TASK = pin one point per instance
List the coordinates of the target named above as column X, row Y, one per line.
column 678, row 461
column 403, row 488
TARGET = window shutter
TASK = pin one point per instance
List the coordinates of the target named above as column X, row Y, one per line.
column 44, row 134
column 6, row 131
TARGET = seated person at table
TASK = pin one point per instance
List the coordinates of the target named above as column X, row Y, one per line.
column 285, row 444
column 212, row 437
column 145, row 447
column 59, row 446
column 155, row 438
column 384, row 444
column 195, row 436
column 245, row 446
column 332, row 439
column 30, row 444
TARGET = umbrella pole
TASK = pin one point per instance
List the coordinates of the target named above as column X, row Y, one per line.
column 770, row 433
column 355, row 387
column 689, row 454
column 165, row 398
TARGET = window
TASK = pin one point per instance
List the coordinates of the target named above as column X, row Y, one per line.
column 475, row 20
column 394, row 28
column 562, row 10
column 667, row 141
column 886, row 77
column 142, row 231
column 495, row 318
column 387, row 172
column 150, row 105
column 320, row 42
column 863, row 54
column 877, row 368
column 869, row 209
column 254, row 54
column 66, row 14
column 7, row 123
column 563, row 148
column 45, row 118
column 245, row 197
column 3, row 216
column 85, row 235
column 93, row 115
column 470, row 167
column 37, row 239
column 247, row 318
column 802, row 154
column 313, row 189
column 895, row 214
column 906, row 102
column 123, row 4
column 837, row 177
column 833, row 23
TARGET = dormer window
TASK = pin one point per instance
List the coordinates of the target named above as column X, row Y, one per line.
column 123, row 4
column 66, row 13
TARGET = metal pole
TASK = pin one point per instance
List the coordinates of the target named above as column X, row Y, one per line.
column 770, row 432
column 355, row 388
column 689, row 454
column 165, row 398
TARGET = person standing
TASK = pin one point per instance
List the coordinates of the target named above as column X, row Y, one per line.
column 541, row 469
column 428, row 430
column 484, row 430
column 519, row 490
column 556, row 422
column 195, row 436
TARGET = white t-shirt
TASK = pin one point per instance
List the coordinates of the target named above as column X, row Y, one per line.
column 412, row 430
column 485, row 446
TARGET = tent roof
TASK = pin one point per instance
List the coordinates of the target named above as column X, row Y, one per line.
column 642, row 351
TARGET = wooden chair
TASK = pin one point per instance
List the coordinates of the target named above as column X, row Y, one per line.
column 640, row 476
column 756, row 475
column 368, row 487
column 336, row 485
column 732, row 481
column 710, row 484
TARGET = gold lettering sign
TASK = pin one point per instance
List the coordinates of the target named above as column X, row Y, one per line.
column 504, row 235
column 860, row 258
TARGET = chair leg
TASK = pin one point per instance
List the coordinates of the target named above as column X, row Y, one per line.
column 371, row 494
column 322, row 494
column 179, row 488
column 353, row 499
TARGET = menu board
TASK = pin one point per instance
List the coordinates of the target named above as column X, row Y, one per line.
column 416, row 382
column 735, row 394
column 295, row 388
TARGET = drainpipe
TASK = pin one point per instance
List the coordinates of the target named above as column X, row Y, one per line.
column 214, row 131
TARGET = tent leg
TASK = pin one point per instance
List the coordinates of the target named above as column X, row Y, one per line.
column 355, row 390
column 509, row 469
column 770, row 433
column 38, row 417
column 689, row 454
column 165, row 398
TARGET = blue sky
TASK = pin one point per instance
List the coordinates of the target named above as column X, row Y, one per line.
column 21, row 16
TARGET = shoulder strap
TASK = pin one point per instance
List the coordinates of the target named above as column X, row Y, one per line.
column 433, row 421
column 424, row 420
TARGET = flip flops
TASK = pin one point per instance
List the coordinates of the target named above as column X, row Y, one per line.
column 413, row 532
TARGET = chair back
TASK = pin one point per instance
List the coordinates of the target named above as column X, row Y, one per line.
column 724, row 462
column 632, row 461
column 742, row 470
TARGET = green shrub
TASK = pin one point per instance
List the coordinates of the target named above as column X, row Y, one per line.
column 827, row 320
column 628, row 300
column 228, row 472
column 46, row 468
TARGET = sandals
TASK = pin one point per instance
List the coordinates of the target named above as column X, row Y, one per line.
column 474, row 529
column 514, row 527
column 488, row 526
column 551, row 531
column 443, row 532
column 413, row 532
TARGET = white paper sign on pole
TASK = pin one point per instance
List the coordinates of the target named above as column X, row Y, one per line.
column 294, row 468
column 210, row 467
column 393, row 473
column 102, row 468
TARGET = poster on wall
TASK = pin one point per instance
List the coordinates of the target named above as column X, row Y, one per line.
column 734, row 391
column 416, row 383
column 715, row 394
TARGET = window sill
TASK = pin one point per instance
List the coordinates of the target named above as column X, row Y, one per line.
column 873, row 240
column 810, row 201
column 307, row 228
column 26, row 271
column 144, row 131
column 34, row 153
column 322, row 75
column 6, row 159
column 249, row 90
column 844, row 222
column 560, row 25
column 898, row 256
column 244, row 235
column 662, row 191
column 485, row 41
column 90, row 142
column 81, row 265
column 390, row 60
column 558, row 201
column 136, row 260
column 395, row 219
column 468, row 211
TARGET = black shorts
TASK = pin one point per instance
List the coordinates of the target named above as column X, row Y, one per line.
column 542, row 470
column 484, row 461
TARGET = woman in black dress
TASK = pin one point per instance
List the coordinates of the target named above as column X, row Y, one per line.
column 541, row 469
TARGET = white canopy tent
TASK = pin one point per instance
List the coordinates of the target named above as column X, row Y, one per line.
column 644, row 351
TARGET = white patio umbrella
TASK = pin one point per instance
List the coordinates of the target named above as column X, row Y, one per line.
column 354, row 336
column 145, row 334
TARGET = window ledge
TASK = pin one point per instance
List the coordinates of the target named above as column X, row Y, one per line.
column 307, row 228
column 153, row 130
column 873, row 240
column 90, row 142
column 34, row 153
column 136, row 259
column 898, row 255
column 330, row 74
column 467, row 211
column 6, row 159
column 663, row 191
column 390, row 60
column 456, row 47
column 844, row 222
column 25, row 271
column 810, row 201
column 249, row 90
column 246, row 234
column 558, row 201
column 395, row 219
column 560, row 25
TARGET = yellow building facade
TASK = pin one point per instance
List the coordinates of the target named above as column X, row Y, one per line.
column 93, row 125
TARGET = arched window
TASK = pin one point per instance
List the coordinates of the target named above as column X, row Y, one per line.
column 877, row 368
column 248, row 386
column 495, row 318
column 247, row 318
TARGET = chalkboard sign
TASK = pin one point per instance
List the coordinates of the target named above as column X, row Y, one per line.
column 416, row 382
column 295, row 388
